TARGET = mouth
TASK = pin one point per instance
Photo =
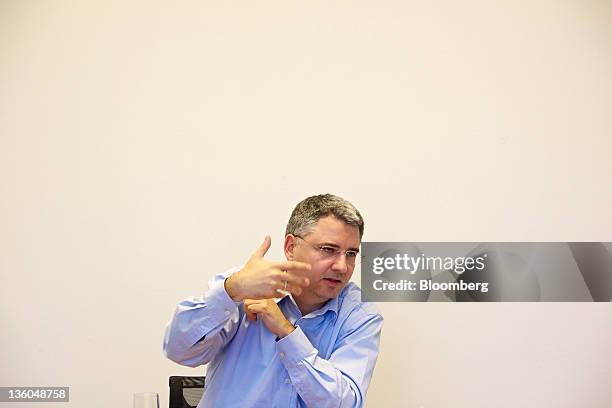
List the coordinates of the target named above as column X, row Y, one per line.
column 333, row 282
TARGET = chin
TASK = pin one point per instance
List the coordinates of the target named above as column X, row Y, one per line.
column 329, row 293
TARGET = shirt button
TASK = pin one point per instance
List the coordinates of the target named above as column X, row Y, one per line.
column 227, row 312
column 282, row 355
column 287, row 381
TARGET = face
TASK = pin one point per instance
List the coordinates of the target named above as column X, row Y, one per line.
column 327, row 276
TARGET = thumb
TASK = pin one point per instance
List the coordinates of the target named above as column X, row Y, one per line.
column 263, row 248
column 251, row 315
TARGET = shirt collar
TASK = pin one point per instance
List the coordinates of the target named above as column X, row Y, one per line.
column 330, row 305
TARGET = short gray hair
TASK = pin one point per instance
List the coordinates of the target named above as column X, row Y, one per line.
column 306, row 214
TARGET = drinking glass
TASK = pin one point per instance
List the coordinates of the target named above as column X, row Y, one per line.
column 146, row 400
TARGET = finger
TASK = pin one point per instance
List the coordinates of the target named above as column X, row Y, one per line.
column 293, row 266
column 296, row 290
column 250, row 302
column 285, row 287
column 294, row 280
column 263, row 248
column 251, row 315
column 250, row 312
column 256, row 309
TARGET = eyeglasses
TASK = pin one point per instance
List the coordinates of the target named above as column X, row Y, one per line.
column 332, row 253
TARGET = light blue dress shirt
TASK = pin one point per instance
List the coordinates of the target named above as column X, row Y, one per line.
column 327, row 361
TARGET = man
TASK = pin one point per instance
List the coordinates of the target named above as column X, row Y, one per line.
column 316, row 346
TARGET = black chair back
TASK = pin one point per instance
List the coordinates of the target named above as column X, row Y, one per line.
column 186, row 392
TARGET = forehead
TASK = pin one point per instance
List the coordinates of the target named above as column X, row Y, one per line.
column 332, row 230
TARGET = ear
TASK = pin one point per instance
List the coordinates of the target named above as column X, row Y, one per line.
column 289, row 246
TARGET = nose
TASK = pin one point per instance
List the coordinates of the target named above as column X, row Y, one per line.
column 340, row 264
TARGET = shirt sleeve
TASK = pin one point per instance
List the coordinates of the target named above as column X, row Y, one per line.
column 343, row 379
column 202, row 326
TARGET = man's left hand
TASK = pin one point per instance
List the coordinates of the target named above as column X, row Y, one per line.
column 270, row 313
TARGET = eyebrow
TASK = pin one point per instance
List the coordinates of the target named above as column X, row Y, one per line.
column 331, row 244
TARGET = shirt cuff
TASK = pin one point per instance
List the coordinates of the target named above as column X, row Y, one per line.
column 219, row 296
column 294, row 348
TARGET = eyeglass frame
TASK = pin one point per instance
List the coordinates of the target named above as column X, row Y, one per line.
column 337, row 252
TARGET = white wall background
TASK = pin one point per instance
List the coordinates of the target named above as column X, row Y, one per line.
column 145, row 146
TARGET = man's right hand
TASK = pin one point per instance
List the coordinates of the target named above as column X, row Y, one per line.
column 261, row 279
